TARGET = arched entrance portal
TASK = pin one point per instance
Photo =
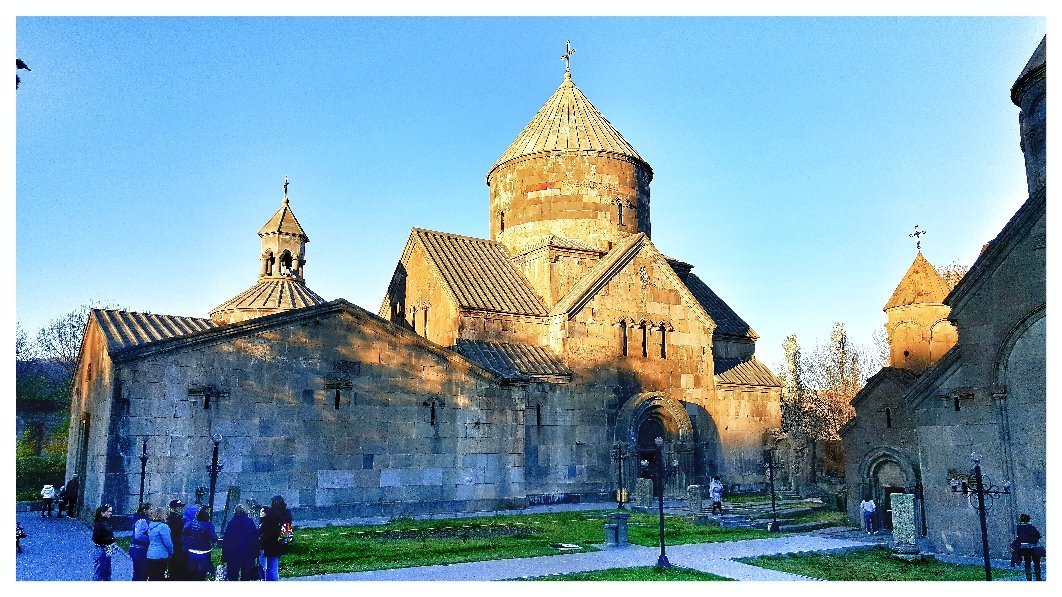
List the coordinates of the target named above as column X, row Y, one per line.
column 641, row 420
column 887, row 471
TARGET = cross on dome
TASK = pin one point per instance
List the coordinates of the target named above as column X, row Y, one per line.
column 567, row 58
column 917, row 235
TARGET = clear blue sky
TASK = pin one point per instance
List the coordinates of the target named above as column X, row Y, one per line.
column 792, row 156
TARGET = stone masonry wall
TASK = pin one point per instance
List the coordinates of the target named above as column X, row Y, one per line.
column 379, row 453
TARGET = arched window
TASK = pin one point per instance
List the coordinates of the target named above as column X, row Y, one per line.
column 501, row 221
column 619, row 211
column 285, row 263
column 663, row 341
column 645, row 338
column 623, row 336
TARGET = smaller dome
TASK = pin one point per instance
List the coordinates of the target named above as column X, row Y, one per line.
column 269, row 295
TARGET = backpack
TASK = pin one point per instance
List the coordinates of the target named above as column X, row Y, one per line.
column 287, row 535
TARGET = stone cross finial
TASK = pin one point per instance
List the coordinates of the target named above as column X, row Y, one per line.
column 917, row 235
column 567, row 57
column 285, row 186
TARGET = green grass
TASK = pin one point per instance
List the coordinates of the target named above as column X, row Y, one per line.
column 831, row 516
column 872, row 564
column 425, row 542
column 635, row 574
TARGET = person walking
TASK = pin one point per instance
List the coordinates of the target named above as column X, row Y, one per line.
column 138, row 545
column 239, row 546
column 867, row 508
column 198, row 540
column 103, row 538
column 276, row 523
column 715, row 491
column 47, row 497
column 160, row 545
column 1026, row 546
column 175, row 522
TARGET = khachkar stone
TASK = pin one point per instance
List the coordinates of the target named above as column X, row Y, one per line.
column 904, row 535
column 643, row 492
column 694, row 502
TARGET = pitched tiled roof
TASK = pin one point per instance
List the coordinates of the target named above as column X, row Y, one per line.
column 128, row 329
column 727, row 321
column 479, row 274
column 746, row 373
column 921, row 284
column 270, row 294
column 568, row 123
column 512, row 360
column 592, row 279
column 283, row 222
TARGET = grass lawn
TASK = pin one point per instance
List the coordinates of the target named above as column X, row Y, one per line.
column 872, row 564
column 831, row 516
column 635, row 574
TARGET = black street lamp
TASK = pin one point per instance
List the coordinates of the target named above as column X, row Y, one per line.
column 143, row 470
column 768, row 461
column 621, row 493
column 979, row 487
column 214, row 469
column 661, row 562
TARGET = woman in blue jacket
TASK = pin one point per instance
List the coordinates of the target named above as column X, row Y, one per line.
column 160, row 545
column 198, row 540
column 239, row 546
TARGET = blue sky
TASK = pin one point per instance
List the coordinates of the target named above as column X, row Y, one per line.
column 792, row 156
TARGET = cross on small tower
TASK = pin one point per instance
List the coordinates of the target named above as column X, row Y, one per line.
column 567, row 57
column 917, row 235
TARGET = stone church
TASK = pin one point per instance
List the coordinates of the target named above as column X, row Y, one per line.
column 967, row 375
column 531, row 367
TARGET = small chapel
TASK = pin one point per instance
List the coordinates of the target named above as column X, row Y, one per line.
column 535, row 366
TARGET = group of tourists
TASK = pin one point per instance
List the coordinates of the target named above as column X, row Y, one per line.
column 177, row 543
column 63, row 499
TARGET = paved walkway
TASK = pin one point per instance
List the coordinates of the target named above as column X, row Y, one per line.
column 61, row 550
column 716, row 558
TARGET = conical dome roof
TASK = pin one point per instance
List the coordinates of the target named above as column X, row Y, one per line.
column 921, row 284
column 568, row 123
column 284, row 222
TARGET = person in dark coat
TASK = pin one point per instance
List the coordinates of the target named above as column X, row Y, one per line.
column 1026, row 546
column 198, row 540
column 277, row 515
column 103, row 538
column 175, row 521
column 138, row 545
column 239, row 546
column 71, row 496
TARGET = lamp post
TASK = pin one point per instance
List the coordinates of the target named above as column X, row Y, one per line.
column 214, row 469
column 621, row 493
column 768, row 461
column 661, row 562
column 979, row 487
column 143, row 470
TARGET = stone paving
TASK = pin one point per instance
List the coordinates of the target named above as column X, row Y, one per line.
column 708, row 557
column 61, row 550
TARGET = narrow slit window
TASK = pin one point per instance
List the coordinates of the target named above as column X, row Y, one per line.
column 538, row 415
column 413, row 318
column 425, row 321
column 619, row 211
column 888, row 418
column 645, row 340
column 956, row 399
column 623, row 337
column 663, row 342
column 501, row 221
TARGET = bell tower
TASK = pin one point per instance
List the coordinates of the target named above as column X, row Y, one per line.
column 283, row 244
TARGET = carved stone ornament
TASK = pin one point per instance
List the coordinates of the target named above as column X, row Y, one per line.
column 643, row 276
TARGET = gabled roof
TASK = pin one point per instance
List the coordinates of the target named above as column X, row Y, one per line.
column 128, row 329
column 596, row 277
column 284, row 222
column 902, row 378
column 271, row 293
column 213, row 332
column 512, row 361
column 478, row 273
column 749, row 372
column 568, row 123
column 998, row 248
column 728, row 323
column 921, row 284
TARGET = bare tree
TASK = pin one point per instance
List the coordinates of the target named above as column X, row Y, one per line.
column 952, row 273
column 60, row 340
